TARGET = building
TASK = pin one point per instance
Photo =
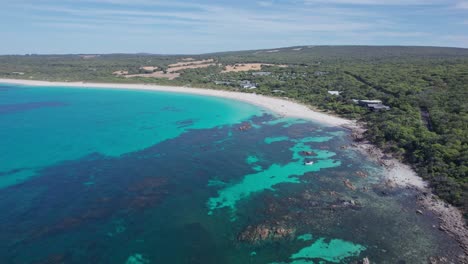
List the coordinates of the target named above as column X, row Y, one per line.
column 278, row 91
column 368, row 102
column 373, row 105
column 247, row 84
column 334, row 92
column 320, row 73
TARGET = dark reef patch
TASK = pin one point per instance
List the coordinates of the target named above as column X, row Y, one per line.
column 152, row 204
column 13, row 108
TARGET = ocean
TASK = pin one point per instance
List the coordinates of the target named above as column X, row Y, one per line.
column 125, row 176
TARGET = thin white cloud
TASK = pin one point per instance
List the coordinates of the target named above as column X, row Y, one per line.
column 236, row 26
column 462, row 5
column 394, row 34
column 104, row 21
column 69, row 25
column 377, row 2
column 265, row 3
column 140, row 3
column 216, row 18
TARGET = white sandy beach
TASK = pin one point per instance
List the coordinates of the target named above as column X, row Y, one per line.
column 279, row 106
column 399, row 173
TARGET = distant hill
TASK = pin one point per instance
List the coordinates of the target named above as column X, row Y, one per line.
column 306, row 54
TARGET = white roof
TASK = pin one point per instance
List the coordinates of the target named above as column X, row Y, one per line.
column 371, row 101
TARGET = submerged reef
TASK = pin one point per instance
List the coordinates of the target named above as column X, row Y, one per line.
column 266, row 232
column 137, row 259
column 142, row 194
column 335, row 250
column 275, row 174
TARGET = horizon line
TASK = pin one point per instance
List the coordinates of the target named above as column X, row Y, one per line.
column 227, row 51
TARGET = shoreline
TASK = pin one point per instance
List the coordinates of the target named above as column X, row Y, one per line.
column 396, row 174
column 280, row 106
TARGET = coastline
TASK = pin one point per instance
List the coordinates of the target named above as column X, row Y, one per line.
column 399, row 175
column 282, row 107
column 396, row 174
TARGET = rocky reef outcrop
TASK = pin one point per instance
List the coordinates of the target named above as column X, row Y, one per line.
column 265, row 232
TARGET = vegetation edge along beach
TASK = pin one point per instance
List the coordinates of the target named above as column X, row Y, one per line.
column 397, row 174
column 421, row 118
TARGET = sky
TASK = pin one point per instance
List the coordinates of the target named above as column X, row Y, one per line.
column 192, row 27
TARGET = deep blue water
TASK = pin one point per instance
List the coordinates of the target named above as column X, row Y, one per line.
column 115, row 176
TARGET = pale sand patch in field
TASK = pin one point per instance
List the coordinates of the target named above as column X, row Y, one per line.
column 266, row 51
column 243, row 67
column 158, row 74
column 187, row 63
column 119, row 73
column 149, row 68
column 297, row 49
column 249, row 67
column 194, row 66
column 171, row 72
column 187, row 59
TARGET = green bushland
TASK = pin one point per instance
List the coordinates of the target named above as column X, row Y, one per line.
column 426, row 88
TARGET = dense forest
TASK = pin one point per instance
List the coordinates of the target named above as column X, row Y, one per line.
column 426, row 88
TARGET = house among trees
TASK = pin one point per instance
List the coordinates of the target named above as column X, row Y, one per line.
column 334, row 92
column 320, row 73
column 373, row 105
column 278, row 91
column 368, row 102
column 247, row 84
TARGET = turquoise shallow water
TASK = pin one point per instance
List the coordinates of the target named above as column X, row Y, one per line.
column 43, row 126
column 266, row 179
column 115, row 176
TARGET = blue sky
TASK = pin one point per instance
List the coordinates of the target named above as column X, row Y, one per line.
column 179, row 26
